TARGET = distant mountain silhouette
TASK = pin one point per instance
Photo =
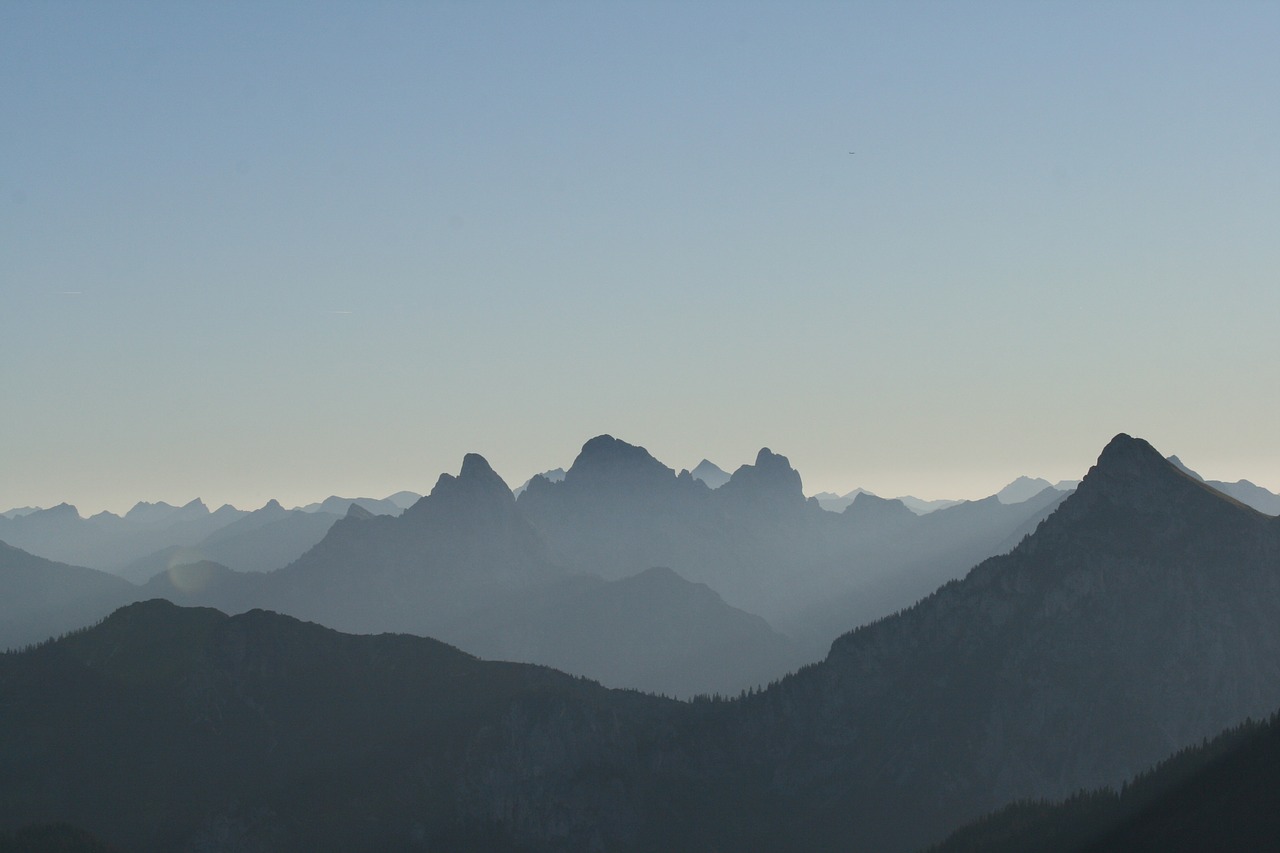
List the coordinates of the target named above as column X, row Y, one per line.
column 404, row 499
column 710, row 473
column 757, row 540
column 465, row 566
column 832, row 502
column 203, row 582
column 261, row 541
column 163, row 513
column 336, row 506
column 923, row 507
column 40, row 598
column 1022, row 489
column 1140, row 617
column 1261, row 499
column 555, row 475
column 109, row 542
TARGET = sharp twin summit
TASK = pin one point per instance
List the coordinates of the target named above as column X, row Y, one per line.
column 617, row 656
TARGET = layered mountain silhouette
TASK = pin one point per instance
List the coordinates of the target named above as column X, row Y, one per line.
column 393, row 505
column 466, row 566
column 107, row 541
column 1139, row 618
column 261, row 541
column 1261, row 499
column 152, row 537
column 756, row 539
column 1142, row 616
column 40, row 598
column 710, row 473
column 471, row 565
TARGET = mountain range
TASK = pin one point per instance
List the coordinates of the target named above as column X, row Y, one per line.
column 153, row 536
column 530, row 578
column 1139, row 618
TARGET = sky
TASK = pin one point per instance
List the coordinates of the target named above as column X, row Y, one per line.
column 287, row 250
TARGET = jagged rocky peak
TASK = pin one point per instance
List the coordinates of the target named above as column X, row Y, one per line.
column 772, row 474
column 605, row 461
column 476, row 487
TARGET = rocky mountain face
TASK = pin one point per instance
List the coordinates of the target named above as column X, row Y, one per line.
column 1139, row 618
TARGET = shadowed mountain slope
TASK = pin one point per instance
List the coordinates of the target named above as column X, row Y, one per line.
column 40, row 598
column 1140, row 617
column 169, row 729
column 1222, row 795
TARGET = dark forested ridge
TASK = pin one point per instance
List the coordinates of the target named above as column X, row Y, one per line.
column 1140, row 618
column 166, row 728
column 1222, row 795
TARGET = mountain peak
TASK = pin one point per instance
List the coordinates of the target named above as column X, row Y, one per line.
column 475, row 466
column 1127, row 460
column 1133, row 475
column 605, row 460
column 771, row 479
column 1022, row 489
column 477, row 486
column 710, row 473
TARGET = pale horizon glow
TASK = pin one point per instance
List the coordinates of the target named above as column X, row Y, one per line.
column 285, row 250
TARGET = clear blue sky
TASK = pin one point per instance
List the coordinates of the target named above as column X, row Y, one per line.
column 254, row 250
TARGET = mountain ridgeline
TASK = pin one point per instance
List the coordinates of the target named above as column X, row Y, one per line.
column 621, row 570
column 1141, row 617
